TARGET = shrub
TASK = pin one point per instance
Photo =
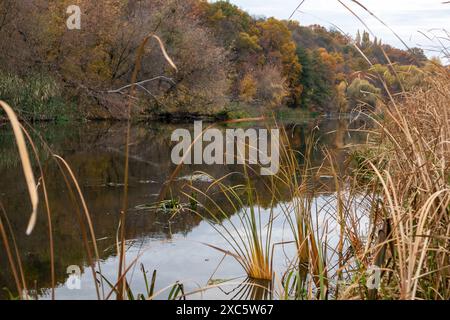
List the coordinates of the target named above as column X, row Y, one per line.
column 362, row 92
column 35, row 97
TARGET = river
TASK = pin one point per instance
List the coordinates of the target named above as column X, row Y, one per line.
column 172, row 245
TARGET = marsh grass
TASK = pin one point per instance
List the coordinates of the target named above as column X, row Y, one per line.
column 410, row 169
column 402, row 179
column 250, row 242
column 407, row 168
column 298, row 212
column 247, row 227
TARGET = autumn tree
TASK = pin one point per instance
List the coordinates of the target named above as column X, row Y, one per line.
column 222, row 53
column 248, row 88
column 227, row 22
column 21, row 50
column 280, row 50
column 272, row 89
column 201, row 83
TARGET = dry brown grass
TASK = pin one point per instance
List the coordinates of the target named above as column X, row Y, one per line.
column 411, row 173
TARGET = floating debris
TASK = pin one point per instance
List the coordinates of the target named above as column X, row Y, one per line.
column 148, row 182
column 114, row 184
column 105, row 185
column 197, row 177
column 168, row 206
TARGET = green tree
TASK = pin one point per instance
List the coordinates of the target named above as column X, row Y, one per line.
column 358, row 38
column 323, row 79
column 365, row 42
column 306, row 77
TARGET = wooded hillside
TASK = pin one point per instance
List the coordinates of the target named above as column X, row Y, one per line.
column 225, row 57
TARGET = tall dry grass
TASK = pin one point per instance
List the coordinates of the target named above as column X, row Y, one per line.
column 247, row 226
column 408, row 162
column 79, row 205
column 410, row 167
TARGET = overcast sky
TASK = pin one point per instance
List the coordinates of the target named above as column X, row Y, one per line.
column 406, row 17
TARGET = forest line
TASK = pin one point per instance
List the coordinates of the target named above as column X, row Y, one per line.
column 228, row 61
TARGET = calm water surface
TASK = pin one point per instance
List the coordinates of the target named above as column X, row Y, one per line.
column 174, row 246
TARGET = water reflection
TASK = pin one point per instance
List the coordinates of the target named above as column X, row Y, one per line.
column 172, row 245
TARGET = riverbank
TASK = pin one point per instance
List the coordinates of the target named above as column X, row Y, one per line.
column 117, row 111
column 342, row 217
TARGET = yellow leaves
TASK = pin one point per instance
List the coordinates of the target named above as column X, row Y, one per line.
column 338, row 58
column 327, row 58
column 218, row 15
column 248, row 88
column 275, row 31
column 409, row 76
column 290, row 58
column 248, row 42
column 280, row 49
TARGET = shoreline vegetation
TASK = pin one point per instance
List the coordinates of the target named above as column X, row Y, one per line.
column 390, row 208
column 229, row 62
